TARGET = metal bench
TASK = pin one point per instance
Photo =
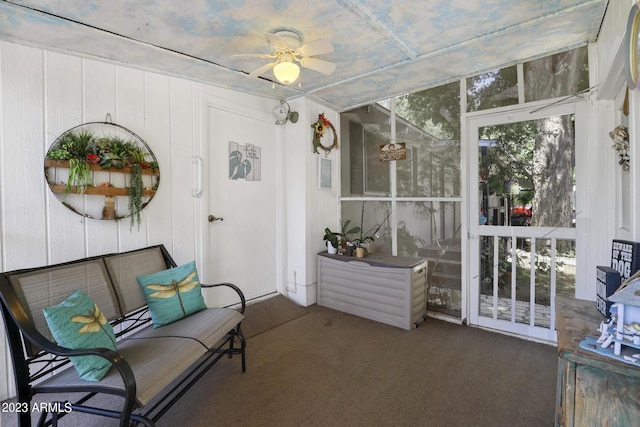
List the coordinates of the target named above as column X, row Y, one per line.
column 152, row 367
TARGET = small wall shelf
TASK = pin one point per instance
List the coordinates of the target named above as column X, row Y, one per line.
column 65, row 164
column 97, row 191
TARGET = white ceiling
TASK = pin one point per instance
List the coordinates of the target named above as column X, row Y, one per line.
column 382, row 47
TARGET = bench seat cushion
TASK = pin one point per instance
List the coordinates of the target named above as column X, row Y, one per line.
column 155, row 364
column 159, row 356
column 198, row 326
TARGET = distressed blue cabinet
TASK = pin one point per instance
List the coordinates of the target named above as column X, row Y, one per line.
column 592, row 390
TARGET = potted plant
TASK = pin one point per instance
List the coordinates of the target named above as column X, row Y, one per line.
column 368, row 236
column 78, row 149
column 332, row 239
column 341, row 240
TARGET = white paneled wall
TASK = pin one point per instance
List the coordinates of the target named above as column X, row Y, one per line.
column 42, row 94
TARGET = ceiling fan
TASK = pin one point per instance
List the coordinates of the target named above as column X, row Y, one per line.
column 287, row 50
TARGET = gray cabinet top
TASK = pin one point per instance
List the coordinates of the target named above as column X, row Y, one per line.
column 378, row 260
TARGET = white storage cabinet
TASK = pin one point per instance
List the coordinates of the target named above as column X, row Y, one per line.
column 383, row 288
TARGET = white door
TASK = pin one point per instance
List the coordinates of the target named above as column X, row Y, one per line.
column 238, row 215
column 517, row 263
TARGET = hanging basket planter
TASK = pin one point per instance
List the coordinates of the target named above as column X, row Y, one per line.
column 102, row 170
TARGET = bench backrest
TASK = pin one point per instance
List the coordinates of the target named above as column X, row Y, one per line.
column 124, row 268
column 45, row 287
column 109, row 280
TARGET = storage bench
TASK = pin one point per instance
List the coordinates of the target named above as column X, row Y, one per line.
column 151, row 368
column 384, row 288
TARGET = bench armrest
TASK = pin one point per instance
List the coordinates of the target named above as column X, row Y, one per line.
column 243, row 302
column 20, row 321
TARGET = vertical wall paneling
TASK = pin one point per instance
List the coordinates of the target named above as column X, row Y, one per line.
column 22, row 128
column 157, row 129
column 5, row 385
column 130, row 112
column 99, row 99
column 22, row 197
column 181, row 181
column 63, row 86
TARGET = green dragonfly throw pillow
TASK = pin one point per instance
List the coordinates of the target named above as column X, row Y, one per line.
column 78, row 323
column 172, row 294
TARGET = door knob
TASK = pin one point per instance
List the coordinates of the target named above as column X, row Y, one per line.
column 214, row 218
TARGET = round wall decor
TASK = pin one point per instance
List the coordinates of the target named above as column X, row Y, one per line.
column 320, row 127
column 632, row 43
column 102, row 170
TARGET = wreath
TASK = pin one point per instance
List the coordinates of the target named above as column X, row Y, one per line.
column 319, row 129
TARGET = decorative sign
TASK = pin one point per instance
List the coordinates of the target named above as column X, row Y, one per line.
column 607, row 282
column 625, row 258
column 397, row 151
column 244, row 162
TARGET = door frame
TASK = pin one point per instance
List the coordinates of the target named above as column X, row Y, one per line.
column 471, row 123
column 202, row 191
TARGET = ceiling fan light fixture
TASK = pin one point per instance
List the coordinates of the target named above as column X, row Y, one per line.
column 286, row 72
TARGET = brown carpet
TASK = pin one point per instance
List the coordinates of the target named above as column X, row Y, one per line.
column 327, row 368
column 264, row 315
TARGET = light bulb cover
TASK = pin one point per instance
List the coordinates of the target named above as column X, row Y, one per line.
column 286, row 72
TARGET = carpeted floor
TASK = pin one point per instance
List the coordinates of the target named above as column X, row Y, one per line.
column 320, row 367
column 268, row 314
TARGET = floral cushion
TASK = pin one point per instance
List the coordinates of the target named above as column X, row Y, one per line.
column 78, row 323
column 172, row 294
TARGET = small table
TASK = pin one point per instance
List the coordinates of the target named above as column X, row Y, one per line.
column 593, row 390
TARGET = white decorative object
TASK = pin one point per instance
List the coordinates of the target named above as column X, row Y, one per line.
column 244, row 162
column 324, row 173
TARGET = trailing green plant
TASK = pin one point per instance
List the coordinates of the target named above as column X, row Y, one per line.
column 79, row 175
column 137, row 158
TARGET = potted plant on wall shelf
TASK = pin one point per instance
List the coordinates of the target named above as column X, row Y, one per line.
column 77, row 148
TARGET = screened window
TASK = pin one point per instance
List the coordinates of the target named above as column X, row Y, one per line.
column 562, row 74
column 494, row 89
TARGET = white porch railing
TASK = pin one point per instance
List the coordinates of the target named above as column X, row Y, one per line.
column 530, row 318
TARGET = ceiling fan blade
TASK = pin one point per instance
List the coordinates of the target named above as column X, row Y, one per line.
column 253, row 55
column 317, row 64
column 318, row 47
column 262, row 69
column 278, row 43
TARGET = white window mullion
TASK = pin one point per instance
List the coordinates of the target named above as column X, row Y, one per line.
column 393, row 182
column 520, row 71
column 532, row 283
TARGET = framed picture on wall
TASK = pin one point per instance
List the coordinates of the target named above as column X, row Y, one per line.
column 324, row 173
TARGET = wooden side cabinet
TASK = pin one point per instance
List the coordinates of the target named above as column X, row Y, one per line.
column 383, row 288
column 592, row 390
